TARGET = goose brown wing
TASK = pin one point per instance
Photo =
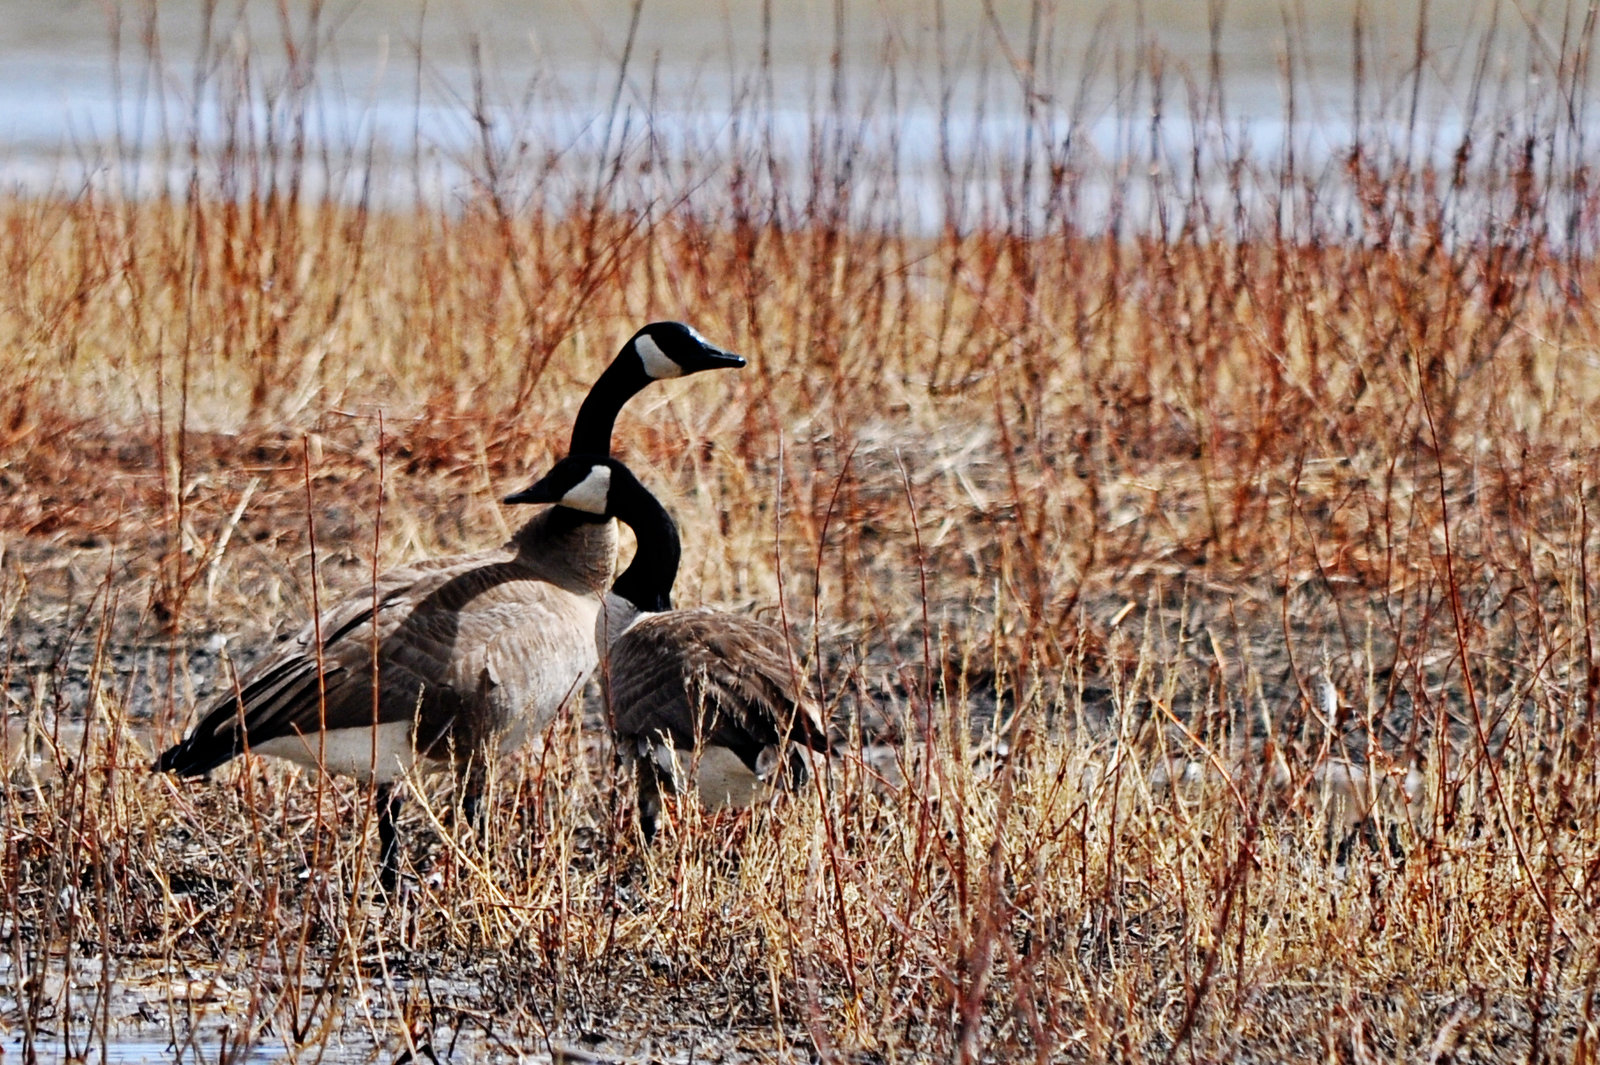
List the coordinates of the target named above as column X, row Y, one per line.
column 705, row 677
column 279, row 695
column 442, row 645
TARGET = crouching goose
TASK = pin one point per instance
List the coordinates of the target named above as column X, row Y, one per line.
column 468, row 654
column 714, row 691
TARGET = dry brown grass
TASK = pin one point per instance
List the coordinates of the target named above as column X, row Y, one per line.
column 1116, row 544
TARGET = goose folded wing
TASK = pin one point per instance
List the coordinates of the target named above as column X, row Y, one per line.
column 414, row 627
column 710, row 678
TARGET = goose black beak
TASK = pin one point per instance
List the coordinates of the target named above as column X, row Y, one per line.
column 535, row 493
column 710, row 358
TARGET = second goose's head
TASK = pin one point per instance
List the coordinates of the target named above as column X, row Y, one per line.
column 592, row 484
column 600, row 488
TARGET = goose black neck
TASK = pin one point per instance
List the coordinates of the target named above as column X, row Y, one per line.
column 647, row 582
column 621, row 381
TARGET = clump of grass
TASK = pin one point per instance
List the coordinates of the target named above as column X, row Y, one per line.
column 1197, row 565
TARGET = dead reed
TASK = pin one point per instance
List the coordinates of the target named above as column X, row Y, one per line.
column 1194, row 546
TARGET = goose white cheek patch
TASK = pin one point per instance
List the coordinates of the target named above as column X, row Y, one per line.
column 589, row 494
column 656, row 363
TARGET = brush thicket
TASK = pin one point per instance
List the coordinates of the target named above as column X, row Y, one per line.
column 1199, row 570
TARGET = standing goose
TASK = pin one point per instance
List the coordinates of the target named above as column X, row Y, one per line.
column 719, row 685
column 472, row 651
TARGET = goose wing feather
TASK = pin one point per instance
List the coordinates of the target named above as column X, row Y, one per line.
column 700, row 676
column 482, row 632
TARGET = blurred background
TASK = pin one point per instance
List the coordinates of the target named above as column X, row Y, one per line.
column 120, row 92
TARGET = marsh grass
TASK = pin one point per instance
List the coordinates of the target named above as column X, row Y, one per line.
column 1197, row 565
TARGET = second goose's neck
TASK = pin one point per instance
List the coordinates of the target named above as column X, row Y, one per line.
column 621, row 381
column 647, row 582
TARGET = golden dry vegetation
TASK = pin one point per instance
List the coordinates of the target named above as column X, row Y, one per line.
column 1204, row 598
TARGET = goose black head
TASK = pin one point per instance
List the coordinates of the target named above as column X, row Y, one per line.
column 658, row 351
column 672, row 349
column 601, row 488
column 578, row 482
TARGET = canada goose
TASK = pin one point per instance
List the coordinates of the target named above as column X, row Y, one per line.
column 719, row 685
column 470, row 650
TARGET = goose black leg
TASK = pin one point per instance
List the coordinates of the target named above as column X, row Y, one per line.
column 474, row 782
column 474, row 812
column 649, row 784
column 388, row 800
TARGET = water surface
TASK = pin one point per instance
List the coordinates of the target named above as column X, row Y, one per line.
column 84, row 85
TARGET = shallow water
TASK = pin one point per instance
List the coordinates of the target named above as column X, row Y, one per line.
column 197, row 1013
column 87, row 89
column 150, row 1012
column 137, row 1051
